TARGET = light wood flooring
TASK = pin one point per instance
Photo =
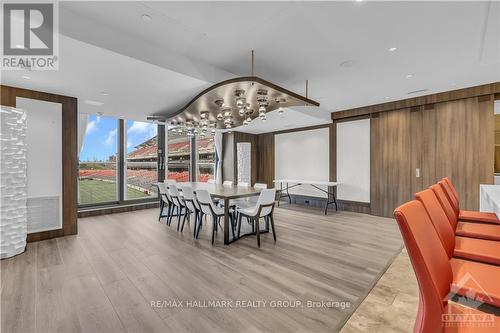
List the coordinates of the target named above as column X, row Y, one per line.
column 106, row 278
column 391, row 305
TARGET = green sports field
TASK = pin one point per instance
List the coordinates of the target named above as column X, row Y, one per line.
column 94, row 191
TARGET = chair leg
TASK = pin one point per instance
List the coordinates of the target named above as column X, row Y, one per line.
column 199, row 224
column 170, row 213
column 253, row 224
column 214, row 228
column 162, row 205
column 257, row 231
column 239, row 224
column 233, row 227
column 195, row 223
column 272, row 226
column 184, row 219
column 179, row 217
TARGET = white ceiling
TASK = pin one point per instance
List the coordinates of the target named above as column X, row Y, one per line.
column 188, row 46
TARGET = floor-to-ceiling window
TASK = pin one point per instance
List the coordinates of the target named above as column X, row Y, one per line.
column 118, row 161
column 141, row 162
column 179, row 156
column 98, row 161
column 206, row 158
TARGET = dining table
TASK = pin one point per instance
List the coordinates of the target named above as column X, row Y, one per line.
column 224, row 193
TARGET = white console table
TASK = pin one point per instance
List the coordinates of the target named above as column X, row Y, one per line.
column 489, row 199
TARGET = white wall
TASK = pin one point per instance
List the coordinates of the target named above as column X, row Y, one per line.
column 44, row 163
column 353, row 160
column 303, row 155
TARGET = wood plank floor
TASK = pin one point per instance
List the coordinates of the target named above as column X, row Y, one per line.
column 106, row 278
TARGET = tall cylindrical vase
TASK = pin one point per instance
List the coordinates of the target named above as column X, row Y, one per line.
column 13, row 182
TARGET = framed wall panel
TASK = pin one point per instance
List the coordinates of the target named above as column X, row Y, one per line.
column 69, row 158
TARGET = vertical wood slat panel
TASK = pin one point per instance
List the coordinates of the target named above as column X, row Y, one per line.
column 486, row 149
column 416, row 141
column 266, row 159
column 391, row 161
column 458, row 143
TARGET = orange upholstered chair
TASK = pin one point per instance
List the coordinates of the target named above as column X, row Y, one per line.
column 463, row 228
column 466, row 215
column 486, row 251
column 437, row 276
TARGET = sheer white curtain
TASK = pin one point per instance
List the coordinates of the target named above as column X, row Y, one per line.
column 218, row 152
column 83, row 119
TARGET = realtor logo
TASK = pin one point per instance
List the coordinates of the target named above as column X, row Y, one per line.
column 29, row 36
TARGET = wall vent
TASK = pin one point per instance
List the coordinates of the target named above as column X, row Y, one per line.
column 43, row 214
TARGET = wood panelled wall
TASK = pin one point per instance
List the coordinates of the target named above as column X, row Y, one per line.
column 452, row 138
column 266, row 159
column 390, row 152
column 8, row 96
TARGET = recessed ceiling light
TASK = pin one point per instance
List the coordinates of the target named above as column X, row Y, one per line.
column 347, row 64
column 93, row 103
column 359, row 0
column 26, row 77
column 387, row 97
column 409, row 76
column 105, row 93
column 19, row 46
column 392, row 49
column 146, row 18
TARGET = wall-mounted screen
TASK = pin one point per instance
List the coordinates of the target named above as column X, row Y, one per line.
column 353, row 160
column 303, row 155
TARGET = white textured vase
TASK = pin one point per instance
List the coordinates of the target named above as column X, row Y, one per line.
column 13, row 182
column 244, row 162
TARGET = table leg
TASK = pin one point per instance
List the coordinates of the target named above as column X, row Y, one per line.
column 226, row 221
column 281, row 193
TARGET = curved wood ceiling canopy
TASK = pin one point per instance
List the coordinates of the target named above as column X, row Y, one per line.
column 255, row 91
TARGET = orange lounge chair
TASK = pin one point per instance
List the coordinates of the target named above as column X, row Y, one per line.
column 465, row 215
column 463, row 228
column 437, row 275
column 481, row 250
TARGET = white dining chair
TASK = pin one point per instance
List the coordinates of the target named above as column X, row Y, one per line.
column 178, row 203
column 227, row 183
column 208, row 207
column 249, row 201
column 192, row 207
column 243, row 184
column 263, row 209
column 163, row 191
